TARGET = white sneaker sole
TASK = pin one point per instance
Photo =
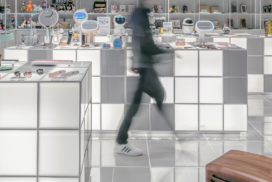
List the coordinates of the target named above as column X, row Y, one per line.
column 128, row 154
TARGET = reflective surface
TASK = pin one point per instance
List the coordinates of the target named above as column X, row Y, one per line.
column 181, row 157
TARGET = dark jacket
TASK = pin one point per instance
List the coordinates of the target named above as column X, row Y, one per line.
column 142, row 42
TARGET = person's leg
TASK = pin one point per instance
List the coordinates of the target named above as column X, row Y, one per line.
column 123, row 132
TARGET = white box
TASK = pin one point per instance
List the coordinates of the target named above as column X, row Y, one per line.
column 18, row 105
column 18, row 153
column 267, row 65
column 59, row 105
column 112, row 116
column 235, row 117
column 186, row 90
column 211, row 117
column 93, row 56
column 211, row 63
column 186, row 117
column 211, row 90
column 59, row 153
column 267, row 46
column 255, row 83
column 187, row 65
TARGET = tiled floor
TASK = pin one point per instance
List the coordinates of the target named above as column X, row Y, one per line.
column 181, row 157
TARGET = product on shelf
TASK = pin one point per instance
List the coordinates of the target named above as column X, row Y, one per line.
column 185, row 9
column 204, row 9
column 157, row 9
column 8, row 9
column 243, row 23
column 175, row 23
column 2, row 9
column 159, row 21
column 28, row 74
column 99, row 7
column 167, row 28
column 76, row 37
column 174, row 9
column 230, row 23
column 23, row 8
column 23, row 25
column 45, row 4
column 119, row 22
column 216, row 24
column 188, row 26
column 215, row 9
column 180, row 41
column 152, row 20
column 39, row 8
column 226, row 29
column 233, row 9
column 12, row 21
column 243, row 8
column 52, row 6
column 122, row 9
column 267, row 9
column 29, row 6
column 131, row 8
column 113, row 8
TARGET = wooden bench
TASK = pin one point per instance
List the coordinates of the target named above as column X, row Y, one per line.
column 239, row 166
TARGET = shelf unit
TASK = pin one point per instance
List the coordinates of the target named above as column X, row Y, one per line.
column 254, row 16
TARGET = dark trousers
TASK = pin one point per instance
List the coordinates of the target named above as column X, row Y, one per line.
column 150, row 84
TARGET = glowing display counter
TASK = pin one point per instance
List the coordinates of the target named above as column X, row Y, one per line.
column 45, row 124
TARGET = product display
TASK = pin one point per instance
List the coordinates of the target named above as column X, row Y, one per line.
column 216, row 24
column 230, row 23
column 99, row 7
column 89, row 28
column 226, row 29
column 180, row 41
column 17, row 74
column 114, row 9
column 188, row 26
column 56, row 74
column 204, row 9
column 29, row 6
column 23, row 8
column 152, row 20
column 131, row 8
column 174, row 9
column 203, row 27
column 233, row 9
column 159, row 21
column 185, row 9
column 243, row 9
column 122, row 9
column 176, row 23
column 39, row 71
column 69, row 74
column 119, row 22
column 8, row 9
column 28, row 74
column 243, row 23
column 45, row 4
column 215, row 9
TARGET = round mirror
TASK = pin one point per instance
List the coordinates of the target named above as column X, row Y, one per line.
column 204, row 26
column 48, row 17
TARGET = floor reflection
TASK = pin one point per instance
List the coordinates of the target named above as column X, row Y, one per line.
column 181, row 157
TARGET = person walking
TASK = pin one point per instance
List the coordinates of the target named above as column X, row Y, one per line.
column 142, row 63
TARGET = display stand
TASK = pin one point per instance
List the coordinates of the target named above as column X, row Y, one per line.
column 45, row 125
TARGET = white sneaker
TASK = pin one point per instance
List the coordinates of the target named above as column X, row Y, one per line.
column 127, row 149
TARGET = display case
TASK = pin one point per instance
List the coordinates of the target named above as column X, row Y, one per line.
column 45, row 124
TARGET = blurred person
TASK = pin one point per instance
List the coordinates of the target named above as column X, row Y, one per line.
column 142, row 63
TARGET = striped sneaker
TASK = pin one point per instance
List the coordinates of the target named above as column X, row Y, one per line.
column 127, row 149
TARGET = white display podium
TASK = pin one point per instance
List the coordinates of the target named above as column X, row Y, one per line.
column 45, row 125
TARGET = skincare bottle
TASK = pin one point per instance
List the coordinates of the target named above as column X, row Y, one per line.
column 31, row 36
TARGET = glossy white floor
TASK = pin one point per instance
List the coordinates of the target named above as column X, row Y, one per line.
column 181, row 157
